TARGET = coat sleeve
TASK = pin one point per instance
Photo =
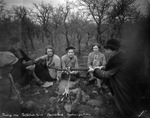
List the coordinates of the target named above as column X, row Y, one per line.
column 76, row 62
column 113, row 66
column 103, row 60
column 41, row 58
column 89, row 63
column 58, row 65
column 63, row 62
column 105, row 74
column 26, row 58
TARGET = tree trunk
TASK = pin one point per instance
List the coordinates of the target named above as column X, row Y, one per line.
column 38, row 35
column 51, row 40
column 67, row 39
column 26, row 45
column 99, row 37
column 29, row 35
column 79, row 42
column 87, row 42
column 79, row 47
column 42, row 36
column 31, row 41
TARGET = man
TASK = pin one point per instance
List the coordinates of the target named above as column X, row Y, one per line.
column 10, row 100
column 69, row 60
column 19, row 53
column 52, row 63
column 120, row 79
column 20, row 71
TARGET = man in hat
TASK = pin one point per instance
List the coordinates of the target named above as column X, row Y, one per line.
column 120, row 79
column 7, row 60
column 69, row 60
column 21, row 72
column 10, row 100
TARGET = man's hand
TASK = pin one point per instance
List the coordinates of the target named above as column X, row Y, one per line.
column 91, row 69
column 100, row 67
column 23, row 62
column 36, row 60
column 58, row 78
column 31, row 67
column 73, row 72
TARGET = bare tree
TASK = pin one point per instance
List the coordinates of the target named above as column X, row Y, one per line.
column 65, row 10
column 2, row 6
column 5, row 24
column 90, row 31
column 79, row 27
column 2, row 17
column 122, row 11
column 27, row 27
column 98, row 9
column 56, row 24
column 44, row 14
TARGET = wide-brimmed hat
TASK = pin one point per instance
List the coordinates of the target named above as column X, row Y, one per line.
column 70, row 48
column 7, row 58
column 112, row 44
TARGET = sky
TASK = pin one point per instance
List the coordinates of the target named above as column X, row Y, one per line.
column 29, row 3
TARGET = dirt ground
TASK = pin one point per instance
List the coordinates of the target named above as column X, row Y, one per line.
column 90, row 104
column 85, row 101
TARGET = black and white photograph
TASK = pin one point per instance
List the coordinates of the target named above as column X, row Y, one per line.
column 74, row 58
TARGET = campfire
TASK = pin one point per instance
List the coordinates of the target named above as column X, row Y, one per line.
column 69, row 95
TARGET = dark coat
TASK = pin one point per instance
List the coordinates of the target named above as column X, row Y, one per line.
column 20, row 54
column 19, row 73
column 9, row 96
column 122, row 82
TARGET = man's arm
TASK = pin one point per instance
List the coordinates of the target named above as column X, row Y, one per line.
column 76, row 62
column 57, row 63
column 103, row 60
column 25, row 57
column 41, row 58
column 105, row 74
column 89, row 63
column 58, row 66
column 63, row 64
column 76, row 66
